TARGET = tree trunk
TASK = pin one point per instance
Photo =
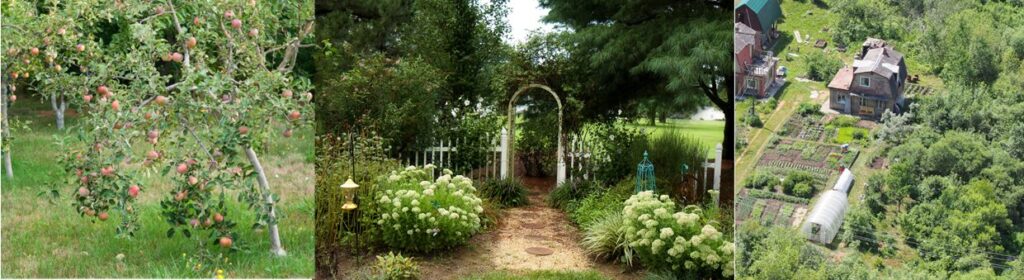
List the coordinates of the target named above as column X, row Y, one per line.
column 663, row 117
column 275, row 239
column 652, row 115
column 8, row 169
column 59, row 106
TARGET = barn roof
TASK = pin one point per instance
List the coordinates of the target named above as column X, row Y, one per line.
column 768, row 12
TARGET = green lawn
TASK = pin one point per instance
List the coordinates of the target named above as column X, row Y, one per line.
column 845, row 135
column 709, row 133
column 48, row 239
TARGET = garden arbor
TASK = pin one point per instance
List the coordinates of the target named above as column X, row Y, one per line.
column 509, row 146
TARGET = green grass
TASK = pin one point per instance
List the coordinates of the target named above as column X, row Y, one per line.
column 709, row 133
column 845, row 135
column 48, row 239
column 539, row 275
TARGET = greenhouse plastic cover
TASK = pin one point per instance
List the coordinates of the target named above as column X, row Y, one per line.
column 828, row 213
column 844, row 182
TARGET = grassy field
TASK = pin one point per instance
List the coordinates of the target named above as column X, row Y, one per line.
column 48, row 239
column 708, row 132
column 845, row 135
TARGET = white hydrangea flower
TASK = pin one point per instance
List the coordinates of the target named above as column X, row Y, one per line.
column 385, row 199
column 666, row 233
column 415, row 209
column 397, row 203
column 409, row 232
column 405, row 209
column 415, row 202
column 428, row 192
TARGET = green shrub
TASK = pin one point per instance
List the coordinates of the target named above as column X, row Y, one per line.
column 821, row 67
column 760, row 180
column 505, row 192
column 795, row 178
column 753, row 120
column 844, row 121
column 683, row 242
column 595, row 206
column 421, row 214
column 569, row 191
column 807, row 109
column 395, row 267
column 668, row 152
column 615, row 143
column 803, row 189
column 605, row 238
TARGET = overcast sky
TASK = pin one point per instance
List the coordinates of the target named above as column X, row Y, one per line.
column 525, row 16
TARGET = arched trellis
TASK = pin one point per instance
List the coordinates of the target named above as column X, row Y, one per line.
column 560, row 177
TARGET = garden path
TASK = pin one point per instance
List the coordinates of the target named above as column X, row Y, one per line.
column 533, row 225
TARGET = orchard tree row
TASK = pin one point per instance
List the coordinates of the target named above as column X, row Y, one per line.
column 186, row 90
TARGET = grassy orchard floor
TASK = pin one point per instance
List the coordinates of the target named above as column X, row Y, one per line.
column 51, row 240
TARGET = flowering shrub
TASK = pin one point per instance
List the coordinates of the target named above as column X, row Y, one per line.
column 677, row 241
column 418, row 214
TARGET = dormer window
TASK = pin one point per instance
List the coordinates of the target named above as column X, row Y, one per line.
column 865, row 82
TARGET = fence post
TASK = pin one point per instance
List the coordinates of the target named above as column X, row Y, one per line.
column 504, row 153
column 718, row 170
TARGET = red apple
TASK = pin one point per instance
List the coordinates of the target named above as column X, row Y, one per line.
column 218, row 217
column 161, row 100
column 254, row 32
column 153, row 155
column 133, row 191
column 181, row 196
column 243, row 130
column 13, row 98
column 294, row 115
column 103, row 216
column 148, row 115
column 90, row 212
column 61, row 31
column 159, row 10
column 14, row 75
column 34, row 51
column 194, row 222
column 115, row 105
column 80, row 47
column 87, row 98
column 182, row 168
column 236, row 23
column 195, row 20
column 107, row 171
column 83, row 192
column 103, row 90
column 192, row 180
column 208, row 222
column 287, row 133
column 177, row 57
column 229, row 14
column 166, row 57
column 286, row 93
column 190, row 42
column 225, row 242
column 58, row 68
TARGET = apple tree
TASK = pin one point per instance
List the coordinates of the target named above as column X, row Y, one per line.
column 188, row 91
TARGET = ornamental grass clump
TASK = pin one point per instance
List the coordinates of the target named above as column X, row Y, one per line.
column 663, row 239
column 421, row 214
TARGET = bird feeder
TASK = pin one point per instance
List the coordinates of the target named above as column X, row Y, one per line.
column 644, row 175
column 349, row 190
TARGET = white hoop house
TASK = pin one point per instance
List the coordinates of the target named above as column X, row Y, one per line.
column 826, row 218
column 844, row 182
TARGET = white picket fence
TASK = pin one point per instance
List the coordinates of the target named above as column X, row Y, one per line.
column 579, row 161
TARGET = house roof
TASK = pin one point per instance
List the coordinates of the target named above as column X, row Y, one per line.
column 843, row 79
column 884, row 61
column 744, row 36
column 768, row 11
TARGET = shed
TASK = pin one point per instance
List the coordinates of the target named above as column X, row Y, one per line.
column 826, row 218
column 766, row 13
column 844, row 182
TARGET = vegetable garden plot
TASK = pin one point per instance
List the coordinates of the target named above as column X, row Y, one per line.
column 807, row 128
column 916, row 89
column 765, row 210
